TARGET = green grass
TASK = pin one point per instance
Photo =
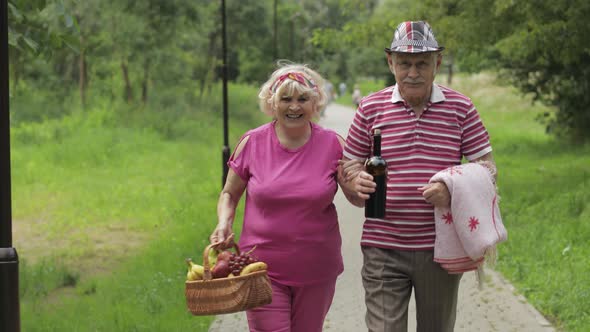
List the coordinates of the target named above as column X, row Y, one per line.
column 545, row 188
column 105, row 212
column 107, row 204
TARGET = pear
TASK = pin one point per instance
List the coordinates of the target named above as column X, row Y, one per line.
column 212, row 256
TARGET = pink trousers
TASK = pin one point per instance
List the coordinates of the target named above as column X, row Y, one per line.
column 293, row 309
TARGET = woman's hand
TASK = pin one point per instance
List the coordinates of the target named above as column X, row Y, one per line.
column 223, row 236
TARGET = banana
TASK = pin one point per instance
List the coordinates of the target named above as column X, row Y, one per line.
column 195, row 271
column 192, row 276
column 253, row 267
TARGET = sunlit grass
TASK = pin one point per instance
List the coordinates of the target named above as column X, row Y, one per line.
column 106, row 212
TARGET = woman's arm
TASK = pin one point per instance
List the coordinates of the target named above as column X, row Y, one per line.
column 228, row 201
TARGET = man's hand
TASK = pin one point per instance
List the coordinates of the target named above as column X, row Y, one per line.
column 364, row 185
column 349, row 169
column 436, row 194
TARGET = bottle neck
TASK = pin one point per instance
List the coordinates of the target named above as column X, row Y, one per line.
column 377, row 145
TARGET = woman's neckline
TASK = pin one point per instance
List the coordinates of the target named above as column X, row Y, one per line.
column 291, row 145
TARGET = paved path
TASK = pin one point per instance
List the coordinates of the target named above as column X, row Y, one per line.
column 496, row 308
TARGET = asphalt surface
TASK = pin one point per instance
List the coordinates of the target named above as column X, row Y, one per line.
column 495, row 307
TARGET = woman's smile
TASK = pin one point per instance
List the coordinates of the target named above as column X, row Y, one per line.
column 294, row 116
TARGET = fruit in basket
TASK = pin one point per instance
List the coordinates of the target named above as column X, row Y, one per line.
column 221, row 269
column 238, row 262
column 253, row 267
column 224, row 255
column 195, row 271
column 212, row 256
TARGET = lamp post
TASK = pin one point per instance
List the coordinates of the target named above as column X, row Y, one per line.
column 9, row 301
column 225, row 151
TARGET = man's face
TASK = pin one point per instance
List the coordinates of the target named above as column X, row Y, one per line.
column 414, row 74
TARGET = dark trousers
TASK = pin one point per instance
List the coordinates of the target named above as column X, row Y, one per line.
column 389, row 277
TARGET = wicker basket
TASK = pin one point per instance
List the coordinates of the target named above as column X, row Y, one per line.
column 226, row 295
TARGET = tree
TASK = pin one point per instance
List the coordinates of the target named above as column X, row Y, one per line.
column 547, row 54
column 541, row 47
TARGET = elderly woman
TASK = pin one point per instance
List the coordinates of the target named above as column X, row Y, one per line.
column 289, row 168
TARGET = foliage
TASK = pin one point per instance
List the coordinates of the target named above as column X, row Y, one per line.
column 40, row 26
column 547, row 55
column 130, row 50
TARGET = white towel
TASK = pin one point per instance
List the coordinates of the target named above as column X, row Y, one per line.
column 472, row 226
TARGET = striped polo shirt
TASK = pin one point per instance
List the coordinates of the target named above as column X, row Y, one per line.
column 415, row 149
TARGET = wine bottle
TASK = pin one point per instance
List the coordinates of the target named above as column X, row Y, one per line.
column 377, row 167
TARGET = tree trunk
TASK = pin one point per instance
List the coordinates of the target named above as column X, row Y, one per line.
column 16, row 65
column 450, row 70
column 128, row 91
column 207, row 79
column 144, row 83
column 82, row 73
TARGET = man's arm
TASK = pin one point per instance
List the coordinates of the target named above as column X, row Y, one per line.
column 488, row 161
column 348, row 170
column 438, row 194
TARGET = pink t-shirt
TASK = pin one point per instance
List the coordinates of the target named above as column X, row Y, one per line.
column 289, row 213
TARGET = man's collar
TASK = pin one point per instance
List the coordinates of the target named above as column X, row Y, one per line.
column 436, row 95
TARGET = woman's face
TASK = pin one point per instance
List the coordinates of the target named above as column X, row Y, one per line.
column 295, row 110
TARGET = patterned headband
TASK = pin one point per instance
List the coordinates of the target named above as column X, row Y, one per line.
column 297, row 77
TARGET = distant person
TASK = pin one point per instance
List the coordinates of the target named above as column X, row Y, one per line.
column 289, row 169
column 425, row 128
column 342, row 88
column 330, row 94
column 356, row 96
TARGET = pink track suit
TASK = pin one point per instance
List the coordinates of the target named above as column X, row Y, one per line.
column 291, row 219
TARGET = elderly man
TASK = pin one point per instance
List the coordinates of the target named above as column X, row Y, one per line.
column 425, row 128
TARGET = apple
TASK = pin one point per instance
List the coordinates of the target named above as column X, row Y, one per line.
column 224, row 255
column 221, row 269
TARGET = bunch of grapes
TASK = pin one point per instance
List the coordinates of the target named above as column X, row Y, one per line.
column 237, row 262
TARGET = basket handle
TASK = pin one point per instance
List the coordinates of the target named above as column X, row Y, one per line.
column 206, row 265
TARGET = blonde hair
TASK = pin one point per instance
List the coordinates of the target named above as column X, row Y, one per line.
column 272, row 90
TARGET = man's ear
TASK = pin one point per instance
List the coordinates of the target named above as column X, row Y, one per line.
column 390, row 62
column 438, row 60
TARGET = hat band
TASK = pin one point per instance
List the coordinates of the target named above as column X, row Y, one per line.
column 415, row 43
